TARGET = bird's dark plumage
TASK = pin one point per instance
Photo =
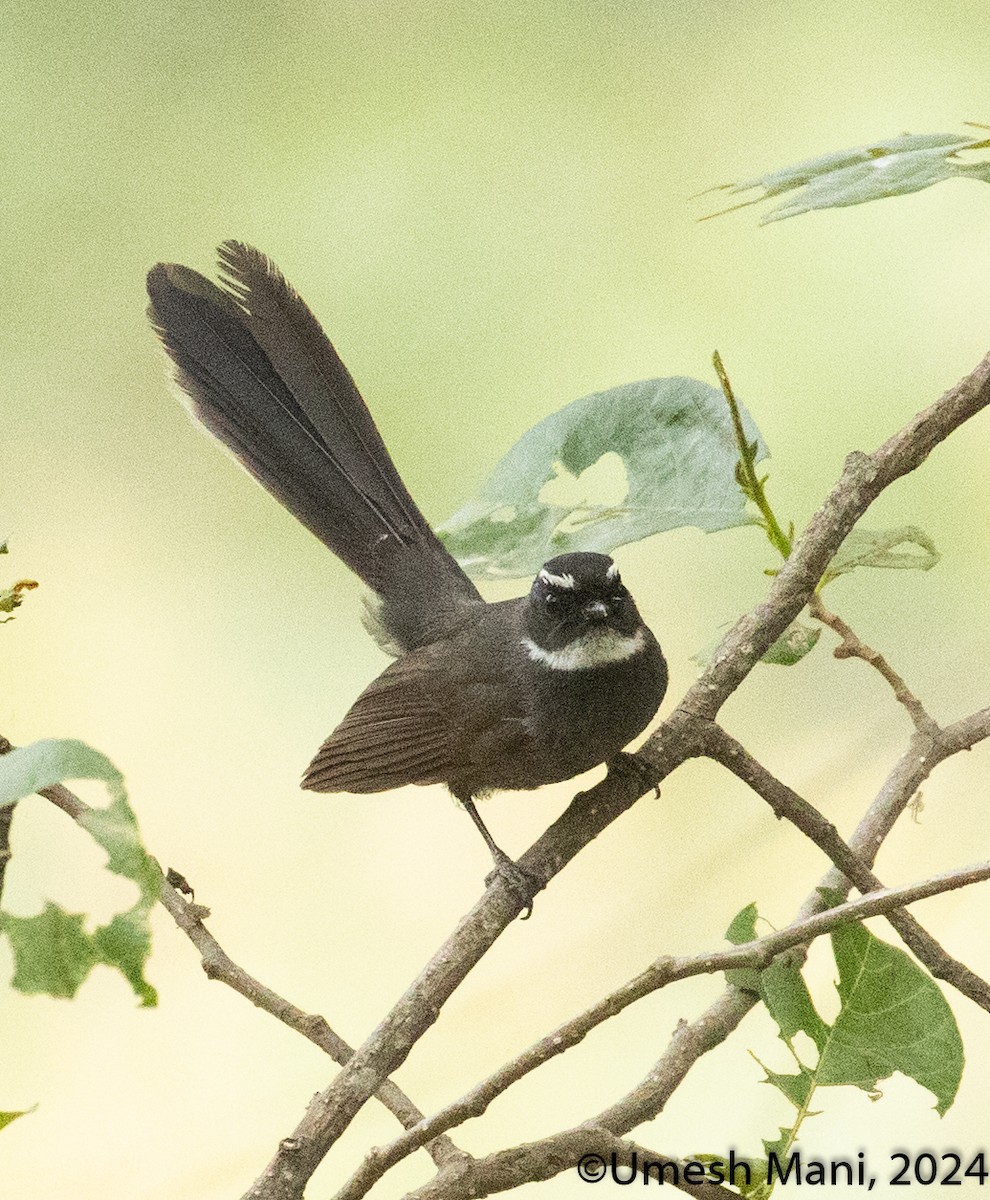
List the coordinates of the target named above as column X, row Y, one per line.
column 263, row 377
column 482, row 696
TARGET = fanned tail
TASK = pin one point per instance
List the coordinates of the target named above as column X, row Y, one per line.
column 262, row 376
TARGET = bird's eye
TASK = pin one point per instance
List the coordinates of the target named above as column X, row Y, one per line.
column 550, row 599
column 618, row 597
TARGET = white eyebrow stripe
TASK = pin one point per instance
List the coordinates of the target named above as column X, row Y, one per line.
column 591, row 650
column 558, row 581
column 612, row 572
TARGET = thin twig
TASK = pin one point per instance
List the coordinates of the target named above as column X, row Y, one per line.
column 785, row 802
column 897, row 791
column 851, row 646
column 511, row 1168
column 756, row 954
column 751, row 484
column 219, row 965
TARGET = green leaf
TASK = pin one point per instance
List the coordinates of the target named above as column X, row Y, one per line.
column 7, row 1117
column 659, row 454
column 116, row 830
column 794, row 643
column 53, row 953
column 797, row 1088
column 30, row 768
column 893, row 1018
column 742, row 927
column 894, row 167
column 878, row 548
column 787, row 997
column 4, row 550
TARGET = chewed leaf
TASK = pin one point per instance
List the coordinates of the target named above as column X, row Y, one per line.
column 893, row 167
column 28, row 769
column 53, row 952
column 893, row 1018
column 906, row 548
column 611, row 468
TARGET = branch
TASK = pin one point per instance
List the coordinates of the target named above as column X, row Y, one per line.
column 865, row 476
column 537, row 1161
column 787, row 803
column 756, row 954
column 540, row 1160
column 218, row 965
column 900, row 786
column 851, row 646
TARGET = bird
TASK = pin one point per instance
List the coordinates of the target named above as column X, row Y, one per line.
column 480, row 697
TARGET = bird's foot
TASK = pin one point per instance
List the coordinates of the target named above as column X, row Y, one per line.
column 637, row 770
column 518, row 881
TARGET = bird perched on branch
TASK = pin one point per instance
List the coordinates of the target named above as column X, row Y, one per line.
column 481, row 697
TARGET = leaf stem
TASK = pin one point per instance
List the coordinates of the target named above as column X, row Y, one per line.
column 751, row 485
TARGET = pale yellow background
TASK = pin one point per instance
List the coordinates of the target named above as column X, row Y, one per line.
column 488, row 206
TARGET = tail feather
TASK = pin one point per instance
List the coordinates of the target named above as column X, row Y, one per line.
column 262, row 377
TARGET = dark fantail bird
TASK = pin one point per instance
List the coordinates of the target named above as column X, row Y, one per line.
column 481, row 697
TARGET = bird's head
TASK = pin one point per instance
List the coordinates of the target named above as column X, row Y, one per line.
column 580, row 614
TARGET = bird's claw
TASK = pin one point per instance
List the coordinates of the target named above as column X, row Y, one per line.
column 517, row 880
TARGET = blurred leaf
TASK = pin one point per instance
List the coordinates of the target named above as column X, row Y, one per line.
column 13, row 597
column 893, row 1018
column 877, row 548
column 894, row 167
column 794, row 643
column 7, row 1117
column 53, row 953
column 30, row 768
column 672, row 444
column 4, row 550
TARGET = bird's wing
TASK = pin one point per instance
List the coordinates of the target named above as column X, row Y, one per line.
column 398, row 731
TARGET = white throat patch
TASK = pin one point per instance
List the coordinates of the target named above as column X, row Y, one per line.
column 592, row 650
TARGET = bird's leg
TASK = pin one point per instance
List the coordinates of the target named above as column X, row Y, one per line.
column 520, row 882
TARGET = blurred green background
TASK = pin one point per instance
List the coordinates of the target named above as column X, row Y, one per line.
column 488, row 206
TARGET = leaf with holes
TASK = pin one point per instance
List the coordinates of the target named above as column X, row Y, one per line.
column 671, row 454
column 53, row 951
column 893, row 1018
